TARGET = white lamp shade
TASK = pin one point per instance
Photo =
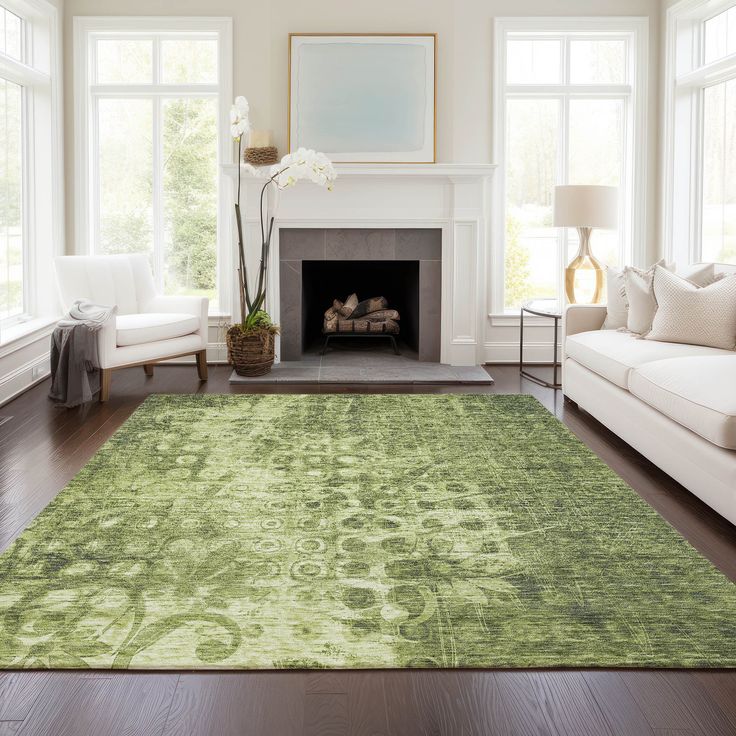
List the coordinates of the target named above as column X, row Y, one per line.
column 586, row 205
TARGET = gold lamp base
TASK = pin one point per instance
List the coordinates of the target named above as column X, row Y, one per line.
column 584, row 274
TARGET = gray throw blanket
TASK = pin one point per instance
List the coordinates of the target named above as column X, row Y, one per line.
column 75, row 374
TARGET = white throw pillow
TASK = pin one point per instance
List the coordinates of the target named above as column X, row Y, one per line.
column 617, row 306
column 617, row 303
column 701, row 274
column 640, row 296
column 692, row 315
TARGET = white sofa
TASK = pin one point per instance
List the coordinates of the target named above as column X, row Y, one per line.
column 147, row 327
column 675, row 404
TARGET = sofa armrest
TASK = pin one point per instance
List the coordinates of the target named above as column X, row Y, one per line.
column 583, row 318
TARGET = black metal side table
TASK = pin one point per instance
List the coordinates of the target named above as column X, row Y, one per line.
column 541, row 308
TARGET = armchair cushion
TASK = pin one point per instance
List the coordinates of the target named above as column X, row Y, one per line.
column 137, row 329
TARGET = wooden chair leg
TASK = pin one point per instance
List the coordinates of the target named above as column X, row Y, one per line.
column 148, row 368
column 105, row 376
column 202, row 365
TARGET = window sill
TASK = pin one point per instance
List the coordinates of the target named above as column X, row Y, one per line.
column 21, row 334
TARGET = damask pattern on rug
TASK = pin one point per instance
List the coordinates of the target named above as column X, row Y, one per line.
column 366, row 531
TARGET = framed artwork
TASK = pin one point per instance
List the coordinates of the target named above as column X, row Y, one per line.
column 364, row 98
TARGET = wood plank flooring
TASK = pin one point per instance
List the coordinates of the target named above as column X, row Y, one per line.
column 42, row 448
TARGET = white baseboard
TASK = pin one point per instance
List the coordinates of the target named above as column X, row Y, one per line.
column 508, row 352
column 23, row 377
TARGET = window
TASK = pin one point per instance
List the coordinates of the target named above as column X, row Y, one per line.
column 157, row 94
column 12, row 251
column 569, row 110
column 30, row 170
column 700, row 107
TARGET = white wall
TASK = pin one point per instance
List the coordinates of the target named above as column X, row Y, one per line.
column 465, row 74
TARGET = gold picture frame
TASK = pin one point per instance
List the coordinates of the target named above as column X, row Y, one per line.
column 428, row 155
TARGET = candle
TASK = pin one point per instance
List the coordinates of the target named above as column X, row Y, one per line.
column 260, row 138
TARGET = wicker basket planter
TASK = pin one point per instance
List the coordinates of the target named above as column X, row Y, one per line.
column 251, row 353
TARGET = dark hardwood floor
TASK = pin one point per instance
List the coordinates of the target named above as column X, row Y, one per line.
column 42, row 447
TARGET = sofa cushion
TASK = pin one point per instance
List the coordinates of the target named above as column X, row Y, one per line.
column 613, row 354
column 698, row 392
column 136, row 329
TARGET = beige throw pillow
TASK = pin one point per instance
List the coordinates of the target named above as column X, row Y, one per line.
column 617, row 306
column 700, row 274
column 640, row 296
column 694, row 316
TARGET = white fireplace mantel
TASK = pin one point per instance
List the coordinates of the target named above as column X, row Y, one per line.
column 453, row 197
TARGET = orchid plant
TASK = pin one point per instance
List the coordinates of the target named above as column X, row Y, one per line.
column 302, row 164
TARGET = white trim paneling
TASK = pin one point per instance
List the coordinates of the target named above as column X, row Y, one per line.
column 23, row 345
column 23, row 376
column 507, row 351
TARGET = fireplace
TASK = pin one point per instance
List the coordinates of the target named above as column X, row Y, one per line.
column 374, row 213
column 320, row 265
column 396, row 281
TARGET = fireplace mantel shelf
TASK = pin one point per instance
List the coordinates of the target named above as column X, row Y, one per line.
column 447, row 171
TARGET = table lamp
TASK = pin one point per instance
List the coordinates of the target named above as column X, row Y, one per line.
column 585, row 206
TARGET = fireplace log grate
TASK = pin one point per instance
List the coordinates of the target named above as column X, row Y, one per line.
column 330, row 335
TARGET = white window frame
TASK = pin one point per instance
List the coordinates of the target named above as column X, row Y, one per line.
column 39, row 74
column 87, row 29
column 633, row 207
column 685, row 78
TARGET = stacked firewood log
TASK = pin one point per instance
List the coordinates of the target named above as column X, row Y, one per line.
column 370, row 315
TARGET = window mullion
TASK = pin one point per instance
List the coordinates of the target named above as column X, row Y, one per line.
column 626, row 174
column 94, row 171
column 27, row 196
column 562, row 177
column 158, row 217
column 724, row 166
column 6, row 215
column 697, row 158
column 156, row 59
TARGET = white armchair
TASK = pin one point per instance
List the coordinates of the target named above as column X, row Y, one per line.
column 147, row 327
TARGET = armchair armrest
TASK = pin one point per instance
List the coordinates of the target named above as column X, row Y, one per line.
column 197, row 306
column 107, row 341
column 583, row 318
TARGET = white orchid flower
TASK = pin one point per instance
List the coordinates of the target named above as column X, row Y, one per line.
column 304, row 164
column 239, row 120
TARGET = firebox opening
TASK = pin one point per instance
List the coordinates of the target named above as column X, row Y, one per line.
column 324, row 281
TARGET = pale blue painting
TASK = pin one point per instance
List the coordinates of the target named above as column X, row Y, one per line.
column 364, row 100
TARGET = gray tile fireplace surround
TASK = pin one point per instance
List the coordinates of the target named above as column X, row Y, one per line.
column 360, row 244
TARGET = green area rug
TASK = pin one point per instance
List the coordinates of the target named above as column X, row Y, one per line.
column 355, row 532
